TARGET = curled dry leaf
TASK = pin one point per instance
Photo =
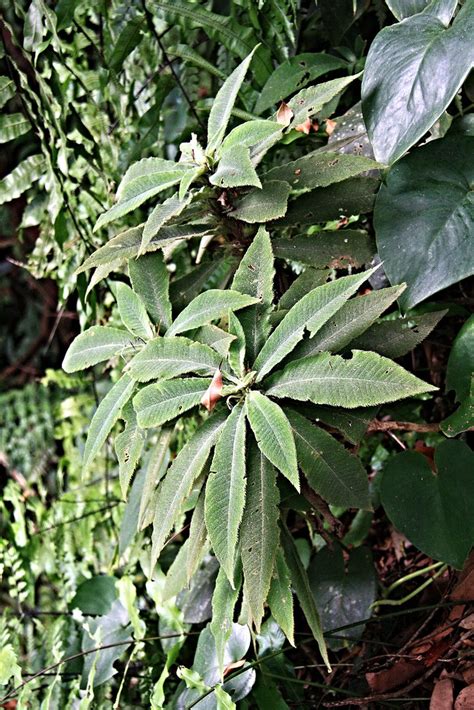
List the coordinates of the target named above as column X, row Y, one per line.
column 465, row 699
column 442, row 697
column 304, row 127
column 213, row 392
column 284, row 114
column 330, row 126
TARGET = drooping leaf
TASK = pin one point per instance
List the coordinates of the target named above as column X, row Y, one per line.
column 179, row 480
column 159, row 216
column 260, row 532
column 95, row 345
column 445, row 530
column 114, row 630
column 309, row 102
column 352, row 319
column 273, row 433
column 209, row 306
column 225, row 491
column 334, row 473
column 363, row 380
column 412, row 73
column 263, row 205
column 142, row 181
column 21, row 178
column 223, row 104
column 320, row 169
column 126, row 245
column 224, row 600
column 280, row 597
column 170, row 357
column 197, row 538
column 340, row 249
column 155, row 466
column 132, row 312
column 13, row 125
column 292, row 75
column 343, row 593
column 300, row 582
column 255, row 278
column 128, row 448
column 150, row 280
column 128, row 39
column 105, row 417
column 441, row 215
column 395, row 338
column 342, row 199
column 158, row 403
column 311, row 313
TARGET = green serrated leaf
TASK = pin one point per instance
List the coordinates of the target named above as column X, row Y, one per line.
column 215, row 337
column 235, row 169
column 311, row 313
column 197, row 538
column 165, row 358
column 155, row 466
column 363, row 380
column 331, row 471
column 259, row 531
column 320, row 169
column 105, row 417
column 95, row 345
column 178, row 483
column 224, row 600
column 352, row 319
column 159, row 216
column 132, row 312
column 209, row 306
column 255, row 277
column 225, row 491
column 309, row 102
column 300, row 582
column 128, row 449
column 263, row 205
column 159, row 403
column 223, row 104
column 236, row 353
column 280, row 597
column 306, row 281
column 21, row 178
column 273, row 433
column 150, row 280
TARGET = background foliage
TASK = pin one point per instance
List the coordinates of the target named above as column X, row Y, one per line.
column 144, row 195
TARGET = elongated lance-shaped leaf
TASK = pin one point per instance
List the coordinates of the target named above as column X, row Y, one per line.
column 225, row 491
column 395, row 338
column 306, row 281
column 209, row 306
column 237, row 345
column 259, row 532
column 158, row 403
column 299, row 580
column 95, row 345
column 21, row 178
column 126, row 245
column 331, row 471
column 170, row 357
column 235, row 169
column 273, row 433
column 156, row 465
column 133, row 313
column 128, row 448
column 352, row 319
column 320, row 170
column 352, row 423
column 223, row 104
column 13, row 125
column 150, row 280
column 7, row 89
column 179, row 480
column 159, row 216
column 140, row 185
column 310, row 313
column 197, row 538
column 263, row 205
column 251, row 133
column 215, row 337
column 105, row 417
column 310, row 101
column 255, row 278
column 280, row 596
column 224, row 600
column 364, row 379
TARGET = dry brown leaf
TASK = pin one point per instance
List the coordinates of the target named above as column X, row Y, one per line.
column 442, row 697
column 330, row 126
column 465, row 699
column 402, row 672
column 213, row 392
column 284, row 114
column 464, row 589
column 304, row 127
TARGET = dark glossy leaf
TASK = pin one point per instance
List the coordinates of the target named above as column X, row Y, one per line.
column 441, row 215
column 445, row 529
column 412, row 73
column 95, row 596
